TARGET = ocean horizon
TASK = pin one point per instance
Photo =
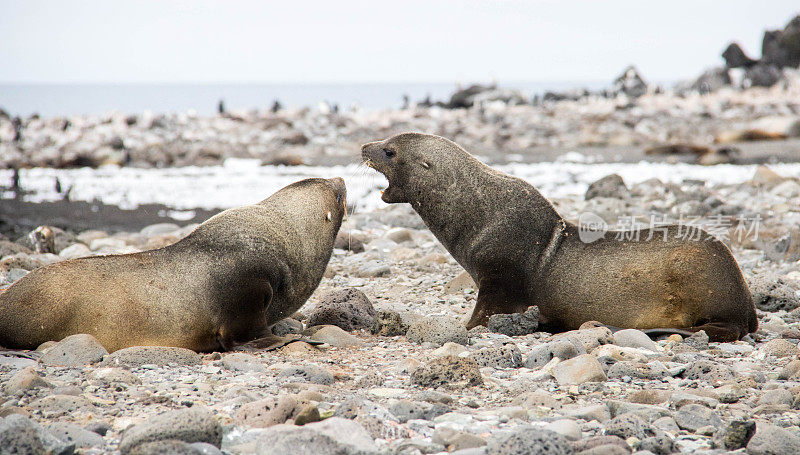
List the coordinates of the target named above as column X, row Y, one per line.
column 50, row 100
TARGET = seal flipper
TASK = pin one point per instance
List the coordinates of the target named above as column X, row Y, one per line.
column 716, row 331
column 496, row 297
column 272, row 342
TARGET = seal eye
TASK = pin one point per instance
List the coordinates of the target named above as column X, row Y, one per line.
column 388, row 153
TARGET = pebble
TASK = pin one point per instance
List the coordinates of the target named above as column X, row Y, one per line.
column 609, row 186
column 565, row 427
column 438, row 330
column 27, row 379
column 347, row 242
column 578, row 370
column 589, row 338
column 704, row 370
column 517, row 324
column 73, row 351
column 333, row 435
column 346, row 308
column 389, row 324
column 18, row 435
column 334, row 336
column 626, row 426
column 633, row 338
column 563, row 349
column 373, row 269
column 268, row 412
column 139, row 356
column 243, row 362
column 310, row 373
column 406, row 410
column 449, row 371
column 195, row 424
column 73, row 434
column 506, row 356
column 450, row 348
column 698, row 340
column 59, row 405
column 770, row 439
column 463, row 281
column 735, row 435
column 691, row 417
column 772, row 293
column 780, row 348
column 528, row 441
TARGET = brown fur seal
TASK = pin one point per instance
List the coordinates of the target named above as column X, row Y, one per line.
column 521, row 252
column 227, row 282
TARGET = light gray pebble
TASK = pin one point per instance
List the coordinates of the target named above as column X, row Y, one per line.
column 528, row 441
column 506, row 356
column 139, row 356
column 563, row 349
column 309, row 373
column 73, row 434
column 195, row 424
column 73, row 351
column 691, row 417
column 438, row 330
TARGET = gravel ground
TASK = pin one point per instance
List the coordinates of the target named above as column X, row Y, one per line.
column 397, row 373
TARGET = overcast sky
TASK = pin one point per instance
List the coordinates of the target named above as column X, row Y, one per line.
column 327, row 41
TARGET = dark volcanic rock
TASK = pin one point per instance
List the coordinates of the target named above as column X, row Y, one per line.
column 736, row 58
column 781, row 48
column 762, row 75
column 516, row 324
column 347, row 308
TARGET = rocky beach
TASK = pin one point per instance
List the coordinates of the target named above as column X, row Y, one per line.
column 396, row 372
column 386, row 365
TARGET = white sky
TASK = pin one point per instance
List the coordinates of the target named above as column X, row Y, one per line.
column 301, row 41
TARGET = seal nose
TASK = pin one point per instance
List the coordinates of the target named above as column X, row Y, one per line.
column 339, row 187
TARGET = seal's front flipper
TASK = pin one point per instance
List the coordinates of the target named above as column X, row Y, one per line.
column 662, row 331
column 496, row 297
column 32, row 355
column 721, row 331
column 272, row 342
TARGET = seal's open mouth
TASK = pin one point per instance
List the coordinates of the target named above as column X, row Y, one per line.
column 369, row 163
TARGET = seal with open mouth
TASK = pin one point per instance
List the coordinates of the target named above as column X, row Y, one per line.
column 521, row 252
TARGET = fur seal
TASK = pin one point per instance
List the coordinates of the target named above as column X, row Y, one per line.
column 521, row 252
column 225, row 283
